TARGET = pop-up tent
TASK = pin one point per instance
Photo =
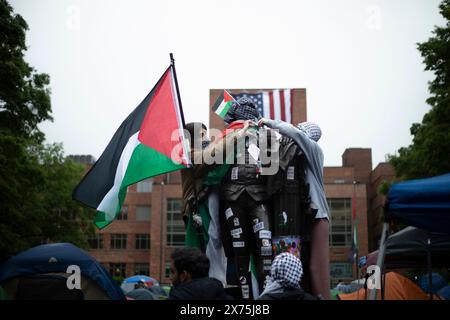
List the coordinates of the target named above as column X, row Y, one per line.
column 409, row 248
column 41, row 273
column 423, row 203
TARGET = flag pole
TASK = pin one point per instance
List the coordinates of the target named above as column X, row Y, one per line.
column 190, row 166
column 355, row 230
column 172, row 63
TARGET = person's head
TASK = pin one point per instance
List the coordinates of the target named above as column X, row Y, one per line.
column 242, row 109
column 311, row 129
column 287, row 270
column 140, row 284
column 197, row 135
column 187, row 264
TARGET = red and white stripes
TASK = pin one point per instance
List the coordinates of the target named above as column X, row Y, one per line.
column 277, row 104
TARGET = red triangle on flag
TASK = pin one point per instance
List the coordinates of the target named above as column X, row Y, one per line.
column 226, row 96
column 160, row 129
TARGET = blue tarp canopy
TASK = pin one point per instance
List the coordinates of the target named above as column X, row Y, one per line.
column 56, row 257
column 423, row 203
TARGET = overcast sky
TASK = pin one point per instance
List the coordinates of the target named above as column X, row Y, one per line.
column 364, row 78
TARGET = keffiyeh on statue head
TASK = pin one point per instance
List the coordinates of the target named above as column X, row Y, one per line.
column 311, row 129
column 287, row 270
column 243, row 109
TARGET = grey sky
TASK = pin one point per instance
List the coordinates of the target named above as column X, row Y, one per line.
column 357, row 60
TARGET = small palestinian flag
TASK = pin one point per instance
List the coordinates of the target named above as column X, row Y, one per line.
column 149, row 142
column 223, row 104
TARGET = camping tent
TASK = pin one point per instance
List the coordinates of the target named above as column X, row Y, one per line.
column 398, row 287
column 41, row 273
column 408, row 249
column 423, row 203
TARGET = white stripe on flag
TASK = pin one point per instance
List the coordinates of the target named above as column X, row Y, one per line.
column 111, row 200
column 287, row 104
column 266, row 105
column 276, row 105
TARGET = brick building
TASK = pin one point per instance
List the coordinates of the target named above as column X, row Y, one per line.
column 150, row 225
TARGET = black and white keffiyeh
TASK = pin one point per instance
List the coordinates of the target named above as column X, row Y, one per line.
column 286, row 272
column 311, row 129
column 243, row 109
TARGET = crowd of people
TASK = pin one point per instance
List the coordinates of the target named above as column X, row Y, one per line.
column 190, row 280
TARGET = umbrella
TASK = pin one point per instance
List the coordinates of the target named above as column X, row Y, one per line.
column 128, row 283
column 140, row 294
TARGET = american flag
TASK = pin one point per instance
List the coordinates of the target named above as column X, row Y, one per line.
column 273, row 104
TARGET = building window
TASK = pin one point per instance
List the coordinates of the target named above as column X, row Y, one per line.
column 118, row 269
column 143, row 213
column 123, row 214
column 341, row 222
column 142, row 269
column 167, row 272
column 145, row 185
column 118, row 241
column 142, row 241
column 173, row 177
column 175, row 225
column 96, row 242
column 340, row 271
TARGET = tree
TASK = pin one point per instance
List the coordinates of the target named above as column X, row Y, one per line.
column 428, row 155
column 36, row 180
column 24, row 93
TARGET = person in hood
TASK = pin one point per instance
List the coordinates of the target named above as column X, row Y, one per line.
column 307, row 135
column 189, row 269
column 285, row 276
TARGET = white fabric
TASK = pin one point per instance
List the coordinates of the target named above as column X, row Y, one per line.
column 110, row 202
column 272, row 287
column 214, row 248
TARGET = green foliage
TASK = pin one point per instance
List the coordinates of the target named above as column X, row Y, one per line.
column 24, row 94
column 35, row 187
column 36, row 180
column 383, row 188
column 429, row 153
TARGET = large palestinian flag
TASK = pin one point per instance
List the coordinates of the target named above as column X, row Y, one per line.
column 149, row 142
